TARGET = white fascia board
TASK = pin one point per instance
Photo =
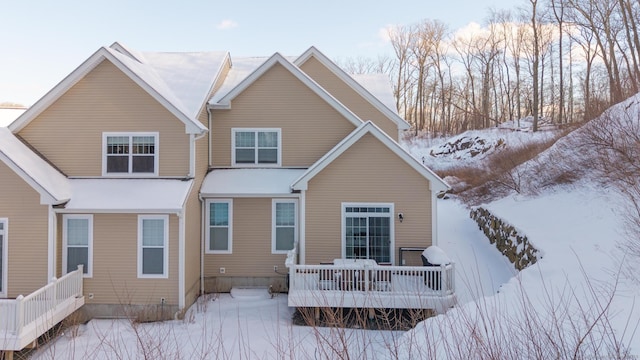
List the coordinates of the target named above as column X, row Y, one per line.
column 252, row 195
column 46, row 198
column 313, row 51
column 118, row 211
column 277, row 58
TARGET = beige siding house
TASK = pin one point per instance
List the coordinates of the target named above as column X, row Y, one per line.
column 168, row 175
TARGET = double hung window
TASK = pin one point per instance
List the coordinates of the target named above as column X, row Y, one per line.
column 77, row 240
column 256, row 147
column 130, row 154
column 285, row 225
column 153, row 246
column 219, row 226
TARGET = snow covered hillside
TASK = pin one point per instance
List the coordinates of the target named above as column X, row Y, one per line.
column 579, row 300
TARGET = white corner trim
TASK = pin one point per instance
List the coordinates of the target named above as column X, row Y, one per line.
column 181, row 260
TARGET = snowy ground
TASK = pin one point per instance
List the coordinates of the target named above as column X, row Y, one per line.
column 221, row 326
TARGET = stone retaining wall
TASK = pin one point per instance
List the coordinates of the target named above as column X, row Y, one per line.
column 514, row 246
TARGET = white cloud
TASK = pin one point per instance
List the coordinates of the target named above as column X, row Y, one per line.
column 226, row 24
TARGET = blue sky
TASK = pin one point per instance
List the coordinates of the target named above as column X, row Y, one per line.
column 43, row 41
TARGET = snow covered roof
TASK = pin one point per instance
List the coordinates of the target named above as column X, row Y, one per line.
column 53, row 186
column 189, row 76
column 249, row 182
column 437, row 184
column 7, row 116
column 180, row 82
column 241, row 68
column 128, row 195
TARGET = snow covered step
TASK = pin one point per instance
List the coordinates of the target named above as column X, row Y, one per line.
column 250, row 293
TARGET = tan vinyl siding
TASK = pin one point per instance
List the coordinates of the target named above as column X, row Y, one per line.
column 367, row 172
column 27, row 235
column 310, row 126
column 115, row 260
column 251, row 243
column 349, row 97
column 69, row 132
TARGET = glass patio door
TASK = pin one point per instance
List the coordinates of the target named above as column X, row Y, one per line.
column 368, row 233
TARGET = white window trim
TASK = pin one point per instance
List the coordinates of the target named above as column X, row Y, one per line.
column 256, row 130
column 66, row 217
column 392, row 240
column 5, row 257
column 156, row 154
column 273, row 224
column 165, row 267
column 229, row 203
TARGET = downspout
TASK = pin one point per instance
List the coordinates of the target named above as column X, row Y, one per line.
column 434, row 218
column 181, row 259
column 192, row 152
column 51, row 247
column 202, row 244
column 303, row 224
column 209, row 120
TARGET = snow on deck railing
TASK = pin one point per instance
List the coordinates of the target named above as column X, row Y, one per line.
column 366, row 280
column 19, row 312
column 292, row 256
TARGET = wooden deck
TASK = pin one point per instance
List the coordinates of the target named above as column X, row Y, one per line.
column 24, row 319
column 365, row 284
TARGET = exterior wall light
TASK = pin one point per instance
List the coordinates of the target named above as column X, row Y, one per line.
column 400, row 216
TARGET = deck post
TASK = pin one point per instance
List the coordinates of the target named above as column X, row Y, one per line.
column 19, row 314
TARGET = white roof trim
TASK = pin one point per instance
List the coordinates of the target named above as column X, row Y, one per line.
column 52, row 186
column 46, row 197
column 191, row 125
column 437, row 184
column 356, row 86
column 124, row 50
column 225, row 101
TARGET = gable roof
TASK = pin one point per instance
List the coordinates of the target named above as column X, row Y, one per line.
column 355, row 85
column 437, row 184
column 224, row 101
column 142, row 74
column 53, row 186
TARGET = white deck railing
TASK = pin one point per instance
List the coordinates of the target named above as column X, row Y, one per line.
column 357, row 283
column 24, row 312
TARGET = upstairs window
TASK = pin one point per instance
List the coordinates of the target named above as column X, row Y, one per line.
column 256, row 147
column 130, row 154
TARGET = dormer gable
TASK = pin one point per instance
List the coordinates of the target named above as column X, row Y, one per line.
column 146, row 78
column 385, row 106
column 223, row 101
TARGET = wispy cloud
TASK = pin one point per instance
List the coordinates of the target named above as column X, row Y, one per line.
column 226, row 24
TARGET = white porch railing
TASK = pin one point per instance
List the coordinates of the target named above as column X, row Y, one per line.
column 24, row 319
column 364, row 284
